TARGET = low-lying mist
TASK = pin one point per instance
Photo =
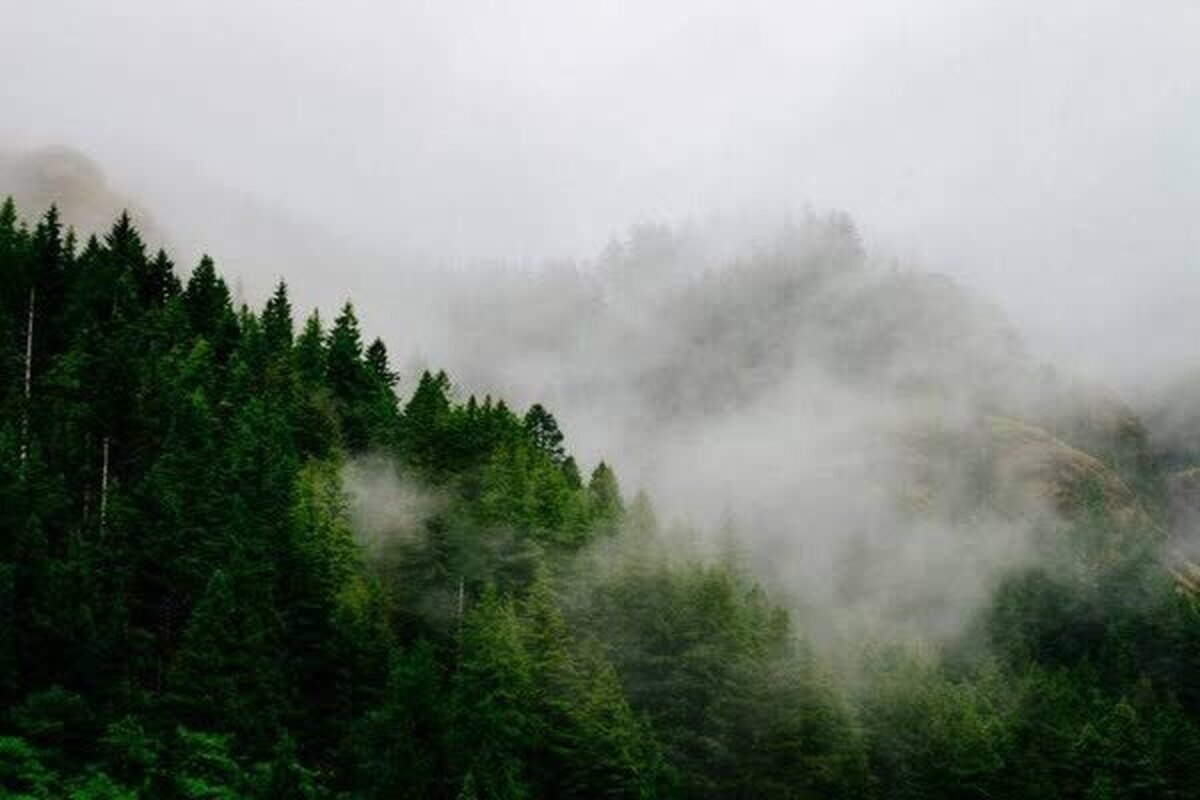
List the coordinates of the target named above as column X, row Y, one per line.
column 879, row 436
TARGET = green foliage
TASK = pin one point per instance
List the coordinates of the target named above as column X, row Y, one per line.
column 542, row 430
column 492, row 688
column 739, row 708
column 605, row 495
column 187, row 609
column 22, row 774
column 398, row 747
column 277, row 321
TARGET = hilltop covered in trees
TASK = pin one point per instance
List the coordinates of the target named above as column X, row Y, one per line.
column 187, row 609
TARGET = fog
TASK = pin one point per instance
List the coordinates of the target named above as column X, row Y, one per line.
column 468, row 173
column 1050, row 152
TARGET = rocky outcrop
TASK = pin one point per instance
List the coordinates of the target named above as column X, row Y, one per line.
column 1183, row 511
column 1041, row 473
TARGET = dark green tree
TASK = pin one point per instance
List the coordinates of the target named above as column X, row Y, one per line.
column 543, row 431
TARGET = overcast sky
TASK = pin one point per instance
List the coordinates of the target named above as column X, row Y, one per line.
column 1048, row 151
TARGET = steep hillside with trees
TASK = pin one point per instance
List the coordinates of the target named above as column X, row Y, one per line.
column 191, row 605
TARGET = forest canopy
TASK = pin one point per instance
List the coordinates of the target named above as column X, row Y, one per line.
column 192, row 605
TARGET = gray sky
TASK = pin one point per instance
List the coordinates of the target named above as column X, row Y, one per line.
column 1049, row 151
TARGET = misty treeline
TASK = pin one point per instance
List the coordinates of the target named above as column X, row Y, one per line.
column 198, row 600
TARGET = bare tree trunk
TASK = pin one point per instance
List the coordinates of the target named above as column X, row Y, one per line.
column 28, row 374
column 461, row 607
column 104, row 487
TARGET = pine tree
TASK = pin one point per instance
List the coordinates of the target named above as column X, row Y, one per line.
column 377, row 404
column 398, row 746
column 507, row 489
column 158, row 283
column 185, row 610
column 206, row 299
column 543, row 431
column 317, row 426
column 607, row 505
column 223, row 679
column 277, row 320
column 126, row 257
column 492, row 722
column 348, row 379
column 208, row 306
column 311, row 355
column 571, row 472
column 425, row 421
column 377, row 364
column 343, row 367
column 617, row 755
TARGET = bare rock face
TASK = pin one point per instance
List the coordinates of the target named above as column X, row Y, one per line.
column 1183, row 517
column 1020, row 471
column 1183, row 511
column 1038, row 471
column 75, row 184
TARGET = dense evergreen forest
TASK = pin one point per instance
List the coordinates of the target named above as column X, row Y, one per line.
column 187, row 609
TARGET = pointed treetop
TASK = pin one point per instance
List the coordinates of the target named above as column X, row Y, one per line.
column 125, row 243
column 642, row 521
column 605, row 492
column 544, row 432
column 344, row 367
column 157, row 281
column 310, row 350
column 48, row 233
column 207, row 297
column 571, row 472
column 345, row 330
column 8, row 221
column 377, row 364
column 277, row 319
column 8, row 213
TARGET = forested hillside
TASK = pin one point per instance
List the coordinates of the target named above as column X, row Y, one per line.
column 194, row 602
